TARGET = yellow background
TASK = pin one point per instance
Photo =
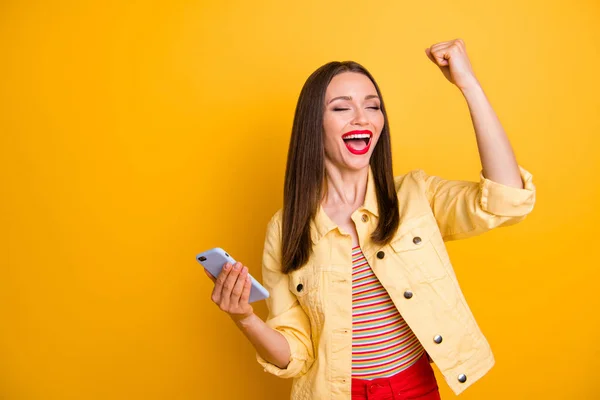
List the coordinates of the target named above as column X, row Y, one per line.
column 134, row 136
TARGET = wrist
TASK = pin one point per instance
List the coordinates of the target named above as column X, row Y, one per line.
column 471, row 87
column 244, row 321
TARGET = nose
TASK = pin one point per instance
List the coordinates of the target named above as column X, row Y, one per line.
column 360, row 117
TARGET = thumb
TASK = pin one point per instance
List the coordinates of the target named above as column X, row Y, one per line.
column 439, row 61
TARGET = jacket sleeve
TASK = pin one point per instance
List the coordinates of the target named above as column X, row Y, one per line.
column 285, row 313
column 464, row 209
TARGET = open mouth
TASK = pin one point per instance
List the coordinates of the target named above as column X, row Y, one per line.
column 358, row 142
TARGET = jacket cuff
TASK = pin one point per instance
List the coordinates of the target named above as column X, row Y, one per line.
column 297, row 364
column 508, row 201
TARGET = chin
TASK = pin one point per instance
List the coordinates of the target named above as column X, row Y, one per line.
column 356, row 163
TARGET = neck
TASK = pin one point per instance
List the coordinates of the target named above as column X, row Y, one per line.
column 344, row 187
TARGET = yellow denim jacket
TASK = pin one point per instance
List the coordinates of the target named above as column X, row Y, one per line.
column 312, row 307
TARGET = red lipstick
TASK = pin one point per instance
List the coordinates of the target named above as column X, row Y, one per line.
column 358, row 142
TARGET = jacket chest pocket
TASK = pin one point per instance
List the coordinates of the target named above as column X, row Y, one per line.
column 421, row 250
column 306, row 285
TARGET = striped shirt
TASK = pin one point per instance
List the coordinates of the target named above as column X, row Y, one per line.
column 382, row 342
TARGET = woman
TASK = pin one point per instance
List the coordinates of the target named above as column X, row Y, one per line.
column 363, row 294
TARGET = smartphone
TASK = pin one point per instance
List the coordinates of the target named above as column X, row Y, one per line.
column 214, row 260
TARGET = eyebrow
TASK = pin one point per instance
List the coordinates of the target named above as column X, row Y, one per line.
column 371, row 96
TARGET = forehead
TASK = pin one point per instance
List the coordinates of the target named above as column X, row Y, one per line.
column 351, row 84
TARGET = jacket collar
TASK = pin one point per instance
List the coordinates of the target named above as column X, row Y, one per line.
column 322, row 224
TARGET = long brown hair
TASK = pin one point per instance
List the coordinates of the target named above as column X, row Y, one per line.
column 304, row 172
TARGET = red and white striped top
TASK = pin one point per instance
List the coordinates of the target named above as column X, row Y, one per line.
column 382, row 342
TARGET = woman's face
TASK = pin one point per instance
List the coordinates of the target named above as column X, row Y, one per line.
column 352, row 120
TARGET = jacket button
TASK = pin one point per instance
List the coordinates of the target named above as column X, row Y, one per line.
column 380, row 254
column 462, row 378
column 299, row 287
column 438, row 339
column 364, row 218
column 408, row 294
column 416, row 240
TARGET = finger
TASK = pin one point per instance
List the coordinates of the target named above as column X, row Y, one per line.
column 445, row 50
column 246, row 292
column 212, row 278
column 236, row 293
column 460, row 43
column 218, row 289
column 437, row 60
column 441, row 45
column 429, row 55
column 228, row 286
column 440, row 57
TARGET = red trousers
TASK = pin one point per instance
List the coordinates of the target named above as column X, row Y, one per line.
column 416, row 382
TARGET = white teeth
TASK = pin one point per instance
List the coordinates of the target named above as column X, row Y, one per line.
column 358, row 136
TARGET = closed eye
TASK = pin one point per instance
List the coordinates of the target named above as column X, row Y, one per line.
column 345, row 109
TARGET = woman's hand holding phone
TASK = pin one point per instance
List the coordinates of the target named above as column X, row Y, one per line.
column 232, row 291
